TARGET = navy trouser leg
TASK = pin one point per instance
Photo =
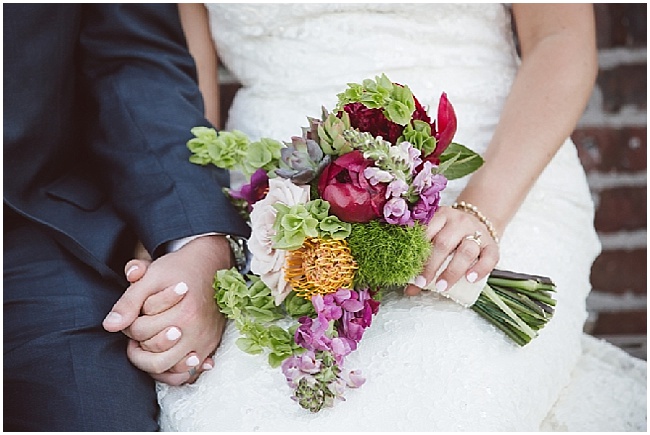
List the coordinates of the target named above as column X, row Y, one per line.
column 62, row 371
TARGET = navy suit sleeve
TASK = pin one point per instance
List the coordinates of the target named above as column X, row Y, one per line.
column 143, row 99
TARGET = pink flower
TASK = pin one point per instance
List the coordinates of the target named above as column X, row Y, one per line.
column 311, row 333
column 352, row 198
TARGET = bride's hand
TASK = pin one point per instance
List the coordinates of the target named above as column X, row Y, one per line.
column 453, row 231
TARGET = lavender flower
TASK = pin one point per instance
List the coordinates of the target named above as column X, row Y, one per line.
column 396, row 211
column 326, row 307
column 354, row 323
column 311, row 334
column 376, row 175
column 299, row 366
column 428, row 186
column 397, row 188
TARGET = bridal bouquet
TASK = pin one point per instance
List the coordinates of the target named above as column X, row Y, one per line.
column 338, row 217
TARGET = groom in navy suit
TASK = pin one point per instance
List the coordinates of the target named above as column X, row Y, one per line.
column 98, row 104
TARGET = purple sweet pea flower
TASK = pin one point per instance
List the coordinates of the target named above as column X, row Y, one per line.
column 341, row 347
column 300, row 366
column 353, row 378
column 326, row 307
column 397, row 188
column 426, row 179
column 255, row 190
column 428, row 185
column 396, row 212
column 311, row 333
column 354, row 323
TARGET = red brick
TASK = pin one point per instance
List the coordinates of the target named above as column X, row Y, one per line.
column 621, row 25
column 621, row 322
column 623, row 85
column 621, row 272
column 623, row 208
column 611, row 149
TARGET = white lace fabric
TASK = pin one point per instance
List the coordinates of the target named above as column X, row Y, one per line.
column 430, row 364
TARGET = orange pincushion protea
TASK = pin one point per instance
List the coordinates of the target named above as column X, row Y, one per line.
column 320, row 266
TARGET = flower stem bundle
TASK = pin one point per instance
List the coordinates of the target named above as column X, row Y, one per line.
column 518, row 304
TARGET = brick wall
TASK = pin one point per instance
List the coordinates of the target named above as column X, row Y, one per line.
column 611, row 141
column 612, row 144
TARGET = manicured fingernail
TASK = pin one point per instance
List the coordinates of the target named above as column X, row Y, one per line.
column 471, row 277
column 192, row 361
column 173, row 333
column 181, row 288
column 131, row 270
column 113, row 318
column 207, row 366
column 420, row 281
column 441, row 285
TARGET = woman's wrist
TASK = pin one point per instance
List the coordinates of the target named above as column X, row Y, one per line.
column 474, row 211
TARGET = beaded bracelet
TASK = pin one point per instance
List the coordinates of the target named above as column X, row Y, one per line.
column 471, row 209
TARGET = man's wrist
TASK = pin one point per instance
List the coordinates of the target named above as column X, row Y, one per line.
column 237, row 247
column 175, row 245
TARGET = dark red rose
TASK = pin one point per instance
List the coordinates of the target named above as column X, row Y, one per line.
column 351, row 197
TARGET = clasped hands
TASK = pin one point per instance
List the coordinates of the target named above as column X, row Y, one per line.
column 169, row 313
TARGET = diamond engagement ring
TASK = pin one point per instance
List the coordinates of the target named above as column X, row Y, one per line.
column 192, row 371
column 476, row 238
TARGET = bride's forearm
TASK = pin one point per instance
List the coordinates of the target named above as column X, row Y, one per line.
column 196, row 25
column 548, row 96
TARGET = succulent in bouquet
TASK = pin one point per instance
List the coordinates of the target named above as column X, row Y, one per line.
column 338, row 217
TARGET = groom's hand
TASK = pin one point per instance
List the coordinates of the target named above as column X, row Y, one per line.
column 174, row 296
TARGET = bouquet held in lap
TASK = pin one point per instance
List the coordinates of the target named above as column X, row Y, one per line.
column 339, row 217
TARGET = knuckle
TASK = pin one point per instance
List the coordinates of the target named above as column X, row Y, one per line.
column 136, row 331
column 467, row 251
column 158, row 366
column 443, row 244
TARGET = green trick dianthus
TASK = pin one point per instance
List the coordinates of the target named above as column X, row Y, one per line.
column 388, row 255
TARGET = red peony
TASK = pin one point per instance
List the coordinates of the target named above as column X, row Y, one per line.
column 373, row 121
column 351, row 197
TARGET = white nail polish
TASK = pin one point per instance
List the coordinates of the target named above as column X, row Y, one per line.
column 181, row 288
column 441, row 286
column 420, row 281
column 173, row 333
column 192, row 361
column 131, row 270
column 113, row 318
column 207, row 366
column 471, row 277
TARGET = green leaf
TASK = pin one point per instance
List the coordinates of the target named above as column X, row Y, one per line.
column 248, row 346
column 275, row 360
column 465, row 161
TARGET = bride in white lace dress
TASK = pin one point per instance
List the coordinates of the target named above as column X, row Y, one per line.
column 430, row 364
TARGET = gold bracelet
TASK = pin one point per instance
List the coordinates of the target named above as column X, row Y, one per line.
column 471, row 209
